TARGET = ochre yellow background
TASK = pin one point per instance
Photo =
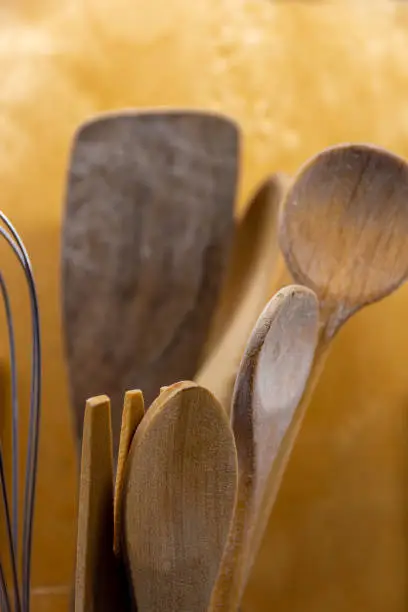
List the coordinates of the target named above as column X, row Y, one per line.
column 297, row 78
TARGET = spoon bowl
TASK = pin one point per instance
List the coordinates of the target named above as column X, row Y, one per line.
column 344, row 228
column 178, row 500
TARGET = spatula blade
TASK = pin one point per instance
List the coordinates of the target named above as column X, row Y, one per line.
column 146, row 235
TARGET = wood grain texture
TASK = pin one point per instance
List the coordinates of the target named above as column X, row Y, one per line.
column 270, row 383
column 148, row 223
column 246, row 289
column 336, row 539
column 343, row 233
column 100, row 583
column 344, row 228
column 133, row 411
column 180, row 491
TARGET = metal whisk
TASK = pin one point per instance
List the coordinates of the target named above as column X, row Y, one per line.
column 16, row 597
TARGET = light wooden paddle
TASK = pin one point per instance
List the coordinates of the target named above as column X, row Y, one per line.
column 146, row 236
column 343, row 233
column 100, row 583
column 179, row 496
column 269, row 386
column 133, row 412
column 247, row 288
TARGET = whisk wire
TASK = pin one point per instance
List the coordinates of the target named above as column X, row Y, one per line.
column 14, row 408
column 11, row 524
column 12, row 549
column 19, row 250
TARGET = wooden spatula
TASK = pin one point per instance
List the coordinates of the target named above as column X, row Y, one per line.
column 179, row 495
column 133, row 411
column 270, row 383
column 100, row 583
column 146, row 235
column 247, row 288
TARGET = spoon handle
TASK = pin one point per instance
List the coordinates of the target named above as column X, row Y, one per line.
column 275, row 476
column 272, row 486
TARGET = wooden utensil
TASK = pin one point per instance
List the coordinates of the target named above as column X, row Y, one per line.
column 269, row 386
column 147, row 229
column 247, row 288
column 343, row 233
column 179, row 495
column 100, row 583
column 133, row 411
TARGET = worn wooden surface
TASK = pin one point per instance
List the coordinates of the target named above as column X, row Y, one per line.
column 344, row 228
column 337, row 539
column 270, row 382
column 178, row 500
column 337, row 534
column 146, row 238
column 246, row 289
column 133, row 412
column 99, row 579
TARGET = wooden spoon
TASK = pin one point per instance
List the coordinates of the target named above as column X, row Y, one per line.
column 343, row 232
column 179, row 496
column 269, row 386
column 146, row 236
column 100, row 585
column 247, row 288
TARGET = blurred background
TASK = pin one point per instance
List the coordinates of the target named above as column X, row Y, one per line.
column 297, row 77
